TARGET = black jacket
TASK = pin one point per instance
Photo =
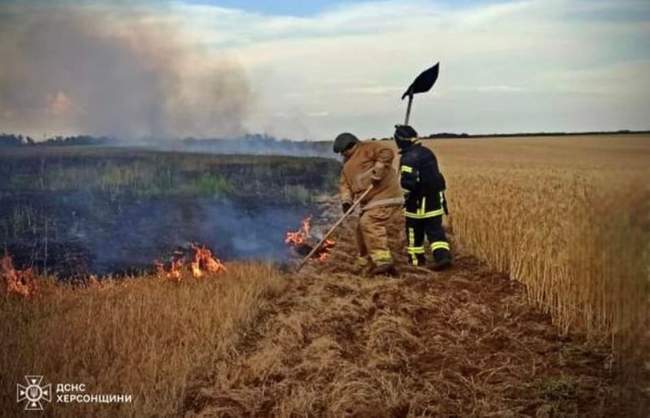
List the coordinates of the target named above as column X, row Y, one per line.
column 422, row 182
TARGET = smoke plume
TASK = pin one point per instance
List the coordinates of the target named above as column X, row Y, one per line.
column 113, row 72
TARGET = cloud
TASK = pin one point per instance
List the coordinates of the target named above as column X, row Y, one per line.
column 318, row 114
column 507, row 66
column 500, row 89
column 511, row 66
column 519, row 66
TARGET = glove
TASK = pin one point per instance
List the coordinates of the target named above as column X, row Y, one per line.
column 345, row 206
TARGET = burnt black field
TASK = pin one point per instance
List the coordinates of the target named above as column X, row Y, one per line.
column 73, row 211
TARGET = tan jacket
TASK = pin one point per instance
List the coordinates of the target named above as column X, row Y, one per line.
column 371, row 162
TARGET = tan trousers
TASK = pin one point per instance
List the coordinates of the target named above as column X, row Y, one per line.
column 372, row 234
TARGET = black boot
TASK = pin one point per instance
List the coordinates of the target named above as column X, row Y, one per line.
column 441, row 260
column 384, row 269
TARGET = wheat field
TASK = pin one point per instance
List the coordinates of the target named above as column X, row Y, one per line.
column 567, row 216
column 142, row 337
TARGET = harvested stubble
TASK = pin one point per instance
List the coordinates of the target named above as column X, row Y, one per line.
column 464, row 342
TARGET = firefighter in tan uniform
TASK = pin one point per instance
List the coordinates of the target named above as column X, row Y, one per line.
column 365, row 164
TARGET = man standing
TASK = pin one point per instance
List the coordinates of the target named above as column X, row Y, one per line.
column 424, row 187
column 368, row 164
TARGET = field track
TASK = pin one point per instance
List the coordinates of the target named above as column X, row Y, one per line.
column 459, row 343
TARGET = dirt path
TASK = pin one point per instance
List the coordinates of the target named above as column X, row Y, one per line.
column 458, row 343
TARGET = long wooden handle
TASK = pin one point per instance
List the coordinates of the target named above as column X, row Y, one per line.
column 345, row 215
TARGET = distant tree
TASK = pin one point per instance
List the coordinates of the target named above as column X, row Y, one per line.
column 10, row 140
column 76, row 140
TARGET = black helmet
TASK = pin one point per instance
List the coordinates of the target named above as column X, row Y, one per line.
column 404, row 135
column 344, row 141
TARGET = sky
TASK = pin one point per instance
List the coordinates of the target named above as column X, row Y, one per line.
column 313, row 69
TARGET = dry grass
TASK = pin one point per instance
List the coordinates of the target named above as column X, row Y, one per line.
column 464, row 342
column 568, row 217
column 144, row 337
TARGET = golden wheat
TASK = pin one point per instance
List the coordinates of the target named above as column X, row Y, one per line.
column 568, row 217
column 142, row 337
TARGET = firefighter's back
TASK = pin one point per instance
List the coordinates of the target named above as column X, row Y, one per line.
column 369, row 159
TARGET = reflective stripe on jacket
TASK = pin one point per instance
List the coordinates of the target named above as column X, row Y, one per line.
column 422, row 182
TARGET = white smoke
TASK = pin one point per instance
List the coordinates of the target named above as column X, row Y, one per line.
column 111, row 71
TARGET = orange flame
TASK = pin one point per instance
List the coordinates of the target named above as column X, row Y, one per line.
column 19, row 282
column 202, row 262
column 300, row 238
column 174, row 273
column 324, row 251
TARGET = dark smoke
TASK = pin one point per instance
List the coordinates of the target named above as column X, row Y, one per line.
column 112, row 71
column 85, row 234
column 147, row 230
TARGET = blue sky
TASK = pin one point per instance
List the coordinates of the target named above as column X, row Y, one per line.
column 310, row 7
column 279, row 7
column 316, row 68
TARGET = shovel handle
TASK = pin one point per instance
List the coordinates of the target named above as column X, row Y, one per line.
column 408, row 110
column 327, row 235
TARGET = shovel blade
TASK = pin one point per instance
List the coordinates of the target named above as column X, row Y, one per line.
column 423, row 82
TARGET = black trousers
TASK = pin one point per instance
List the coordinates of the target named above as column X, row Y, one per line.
column 416, row 229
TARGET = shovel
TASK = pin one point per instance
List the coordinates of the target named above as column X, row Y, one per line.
column 421, row 84
column 331, row 230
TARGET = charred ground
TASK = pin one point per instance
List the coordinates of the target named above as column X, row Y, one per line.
column 79, row 210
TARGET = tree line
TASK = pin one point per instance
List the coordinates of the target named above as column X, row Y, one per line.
column 248, row 140
column 13, row 140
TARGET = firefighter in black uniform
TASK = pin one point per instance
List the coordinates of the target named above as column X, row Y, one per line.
column 424, row 187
